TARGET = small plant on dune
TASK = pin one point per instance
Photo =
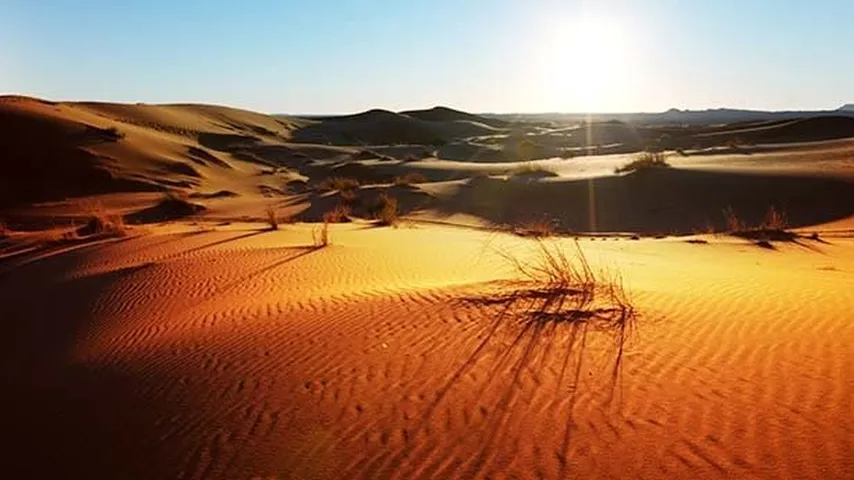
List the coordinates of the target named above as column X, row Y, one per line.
column 388, row 213
column 320, row 235
column 339, row 214
column 536, row 228
column 109, row 134
column 4, row 231
column 772, row 228
column 563, row 286
column 338, row 184
column 411, row 178
column 546, row 320
column 775, row 220
column 272, row 218
column 347, row 196
column 645, row 161
column 733, row 223
column 114, row 133
column 101, row 222
column 532, row 169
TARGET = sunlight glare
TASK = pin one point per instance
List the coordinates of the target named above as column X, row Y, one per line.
column 589, row 62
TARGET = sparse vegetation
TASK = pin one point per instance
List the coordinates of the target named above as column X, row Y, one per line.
column 114, row 133
column 101, row 223
column 340, row 184
column 4, row 230
column 559, row 285
column 339, row 214
column 775, row 220
column 733, row 223
column 536, row 228
column 320, row 235
column 532, row 169
column 645, row 161
column 388, row 213
column 272, row 218
column 411, row 178
column 347, row 196
column 772, row 228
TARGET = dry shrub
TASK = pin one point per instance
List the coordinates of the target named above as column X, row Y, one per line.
column 733, row 223
column 562, row 286
column 411, row 178
column 645, row 161
column 775, row 220
column 532, row 169
column 4, row 230
column 320, row 236
column 340, row 184
column 339, row 214
column 536, row 228
column 347, row 196
column 100, row 222
column 388, row 213
column 547, row 320
column 772, row 228
column 272, row 218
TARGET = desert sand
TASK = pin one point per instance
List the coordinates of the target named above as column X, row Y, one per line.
column 194, row 341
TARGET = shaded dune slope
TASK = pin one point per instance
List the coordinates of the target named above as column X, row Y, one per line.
column 382, row 127
column 55, row 150
column 657, row 201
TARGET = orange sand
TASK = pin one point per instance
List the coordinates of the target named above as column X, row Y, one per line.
column 240, row 353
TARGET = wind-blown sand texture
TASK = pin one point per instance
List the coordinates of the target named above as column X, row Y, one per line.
column 242, row 353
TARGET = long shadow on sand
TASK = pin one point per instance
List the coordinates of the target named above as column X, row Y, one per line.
column 74, row 419
column 540, row 335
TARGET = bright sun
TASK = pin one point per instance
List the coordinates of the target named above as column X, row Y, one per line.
column 589, row 63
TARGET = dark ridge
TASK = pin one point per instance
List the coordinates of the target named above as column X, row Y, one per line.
column 445, row 114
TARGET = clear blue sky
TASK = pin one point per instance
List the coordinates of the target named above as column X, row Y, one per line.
column 323, row 56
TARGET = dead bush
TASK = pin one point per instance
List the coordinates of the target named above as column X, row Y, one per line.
column 645, row 161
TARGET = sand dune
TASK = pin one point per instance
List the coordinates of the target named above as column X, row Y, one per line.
column 157, row 325
column 243, row 353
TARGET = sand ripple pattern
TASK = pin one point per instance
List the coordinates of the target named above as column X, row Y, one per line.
column 253, row 355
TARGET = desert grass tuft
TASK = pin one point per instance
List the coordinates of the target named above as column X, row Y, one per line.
column 320, row 236
column 272, row 218
column 101, row 223
column 546, row 318
column 532, row 169
column 560, row 285
column 645, row 161
column 541, row 228
column 388, row 212
column 775, row 219
column 774, row 227
column 338, row 214
column 340, row 184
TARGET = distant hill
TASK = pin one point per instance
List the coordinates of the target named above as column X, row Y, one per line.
column 445, row 114
column 436, row 126
column 848, row 107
